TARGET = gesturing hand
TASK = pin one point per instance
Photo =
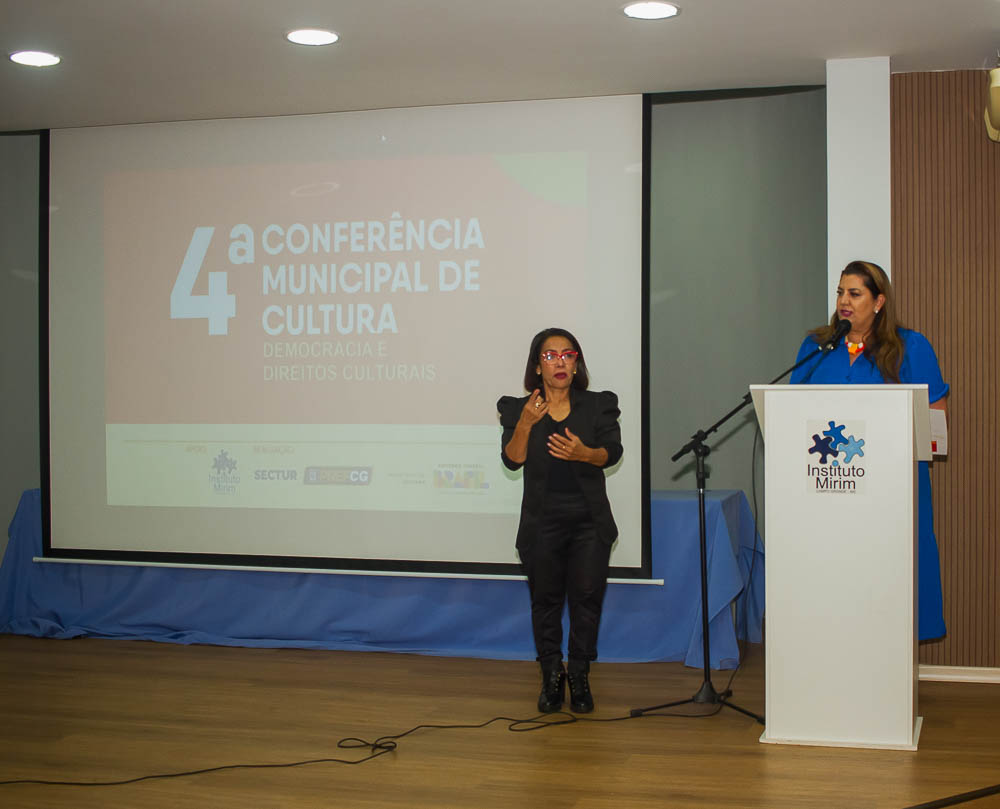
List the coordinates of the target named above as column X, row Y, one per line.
column 569, row 448
column 534, row 409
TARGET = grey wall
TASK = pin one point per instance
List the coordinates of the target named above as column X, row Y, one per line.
column 737, row 267
column 18, row 321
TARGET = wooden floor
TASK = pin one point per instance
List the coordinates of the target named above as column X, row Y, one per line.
column 96, row 710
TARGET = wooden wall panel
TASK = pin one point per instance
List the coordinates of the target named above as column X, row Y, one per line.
column 945, row 247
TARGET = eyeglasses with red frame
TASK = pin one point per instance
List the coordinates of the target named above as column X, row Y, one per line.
column 565, row 356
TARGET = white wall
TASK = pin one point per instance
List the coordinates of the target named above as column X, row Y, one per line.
column 858, row 165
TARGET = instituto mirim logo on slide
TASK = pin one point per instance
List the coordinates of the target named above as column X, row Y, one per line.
column 224, row 476
column 835, row 459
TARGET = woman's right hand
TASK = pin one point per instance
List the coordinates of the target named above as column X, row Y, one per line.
column 534, row 409
column 532, row 412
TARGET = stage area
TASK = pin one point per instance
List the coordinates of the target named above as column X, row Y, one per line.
column 91, row 709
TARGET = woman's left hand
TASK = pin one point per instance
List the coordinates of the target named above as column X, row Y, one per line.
column 569, row 448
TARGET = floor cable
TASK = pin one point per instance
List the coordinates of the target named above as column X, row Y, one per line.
column 380, row 747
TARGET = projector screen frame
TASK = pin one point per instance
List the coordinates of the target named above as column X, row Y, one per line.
column 326, row 564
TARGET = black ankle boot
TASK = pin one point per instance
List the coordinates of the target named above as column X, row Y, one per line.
column 581, row 700
column 553, row 689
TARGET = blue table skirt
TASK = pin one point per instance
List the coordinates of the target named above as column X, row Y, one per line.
column 435, row 616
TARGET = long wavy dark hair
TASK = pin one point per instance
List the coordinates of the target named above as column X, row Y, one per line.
column 884, row 346
column 533, row 379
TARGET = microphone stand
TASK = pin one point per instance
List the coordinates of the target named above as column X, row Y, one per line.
column 707, row 695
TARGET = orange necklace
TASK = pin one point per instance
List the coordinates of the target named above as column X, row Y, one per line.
column 854, row 348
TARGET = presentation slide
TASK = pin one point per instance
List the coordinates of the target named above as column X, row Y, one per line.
column 284, row 338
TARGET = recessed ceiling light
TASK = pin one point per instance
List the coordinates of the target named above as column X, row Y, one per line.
column 651, row 11
column 312, row 36
column 35, row 58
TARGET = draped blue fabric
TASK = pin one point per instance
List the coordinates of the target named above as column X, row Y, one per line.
column 436, row 616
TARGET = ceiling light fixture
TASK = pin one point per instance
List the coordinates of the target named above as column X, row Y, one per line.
column 651, row 11
column 35, row 58
column 312, row 36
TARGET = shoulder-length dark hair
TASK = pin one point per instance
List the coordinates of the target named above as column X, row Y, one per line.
column 884, row 346
column 533, row 379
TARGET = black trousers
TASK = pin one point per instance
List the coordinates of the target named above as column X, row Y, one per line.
column 567, row 562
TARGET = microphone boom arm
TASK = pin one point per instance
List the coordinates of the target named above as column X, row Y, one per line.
column 699, row 437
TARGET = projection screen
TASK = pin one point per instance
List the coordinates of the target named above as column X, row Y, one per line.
column 280, row 341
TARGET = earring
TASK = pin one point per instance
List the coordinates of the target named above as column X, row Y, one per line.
column 876, row 311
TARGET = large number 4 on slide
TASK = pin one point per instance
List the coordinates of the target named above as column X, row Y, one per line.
column 218, row 305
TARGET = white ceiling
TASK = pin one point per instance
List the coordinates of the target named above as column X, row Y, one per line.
column 128, row 61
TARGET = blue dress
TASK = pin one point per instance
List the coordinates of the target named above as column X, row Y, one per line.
column 920, row 366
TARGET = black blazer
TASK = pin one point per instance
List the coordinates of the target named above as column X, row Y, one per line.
column 593, row 418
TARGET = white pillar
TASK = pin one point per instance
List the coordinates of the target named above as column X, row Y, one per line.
column 859, row 224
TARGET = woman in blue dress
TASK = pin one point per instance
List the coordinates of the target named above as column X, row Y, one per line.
column 879, row 349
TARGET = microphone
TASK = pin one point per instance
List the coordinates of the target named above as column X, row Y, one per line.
column 843, row 327
column 839, row 333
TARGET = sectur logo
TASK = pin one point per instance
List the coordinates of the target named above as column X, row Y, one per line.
column 834, row 461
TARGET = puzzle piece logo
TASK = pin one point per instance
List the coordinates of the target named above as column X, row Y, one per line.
column 835, row 444
column 823, row 447
column 836, row 433
column 852, row 449
column 835, row 459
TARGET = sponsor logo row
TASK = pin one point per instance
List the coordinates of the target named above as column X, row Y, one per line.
column 224, row 475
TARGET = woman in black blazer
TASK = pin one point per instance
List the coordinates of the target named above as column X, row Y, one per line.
column 564, row 436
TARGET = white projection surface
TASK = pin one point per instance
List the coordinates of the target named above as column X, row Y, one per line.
column 284, row 338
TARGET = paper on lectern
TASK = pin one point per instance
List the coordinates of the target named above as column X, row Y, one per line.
column 939, row 432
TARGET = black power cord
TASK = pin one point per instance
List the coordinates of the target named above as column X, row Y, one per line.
column 962, row 798
column 379, row 747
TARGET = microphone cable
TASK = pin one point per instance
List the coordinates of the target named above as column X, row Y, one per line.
column 379, row 747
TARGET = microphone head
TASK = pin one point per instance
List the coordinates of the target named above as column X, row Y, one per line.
column 839, row 333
